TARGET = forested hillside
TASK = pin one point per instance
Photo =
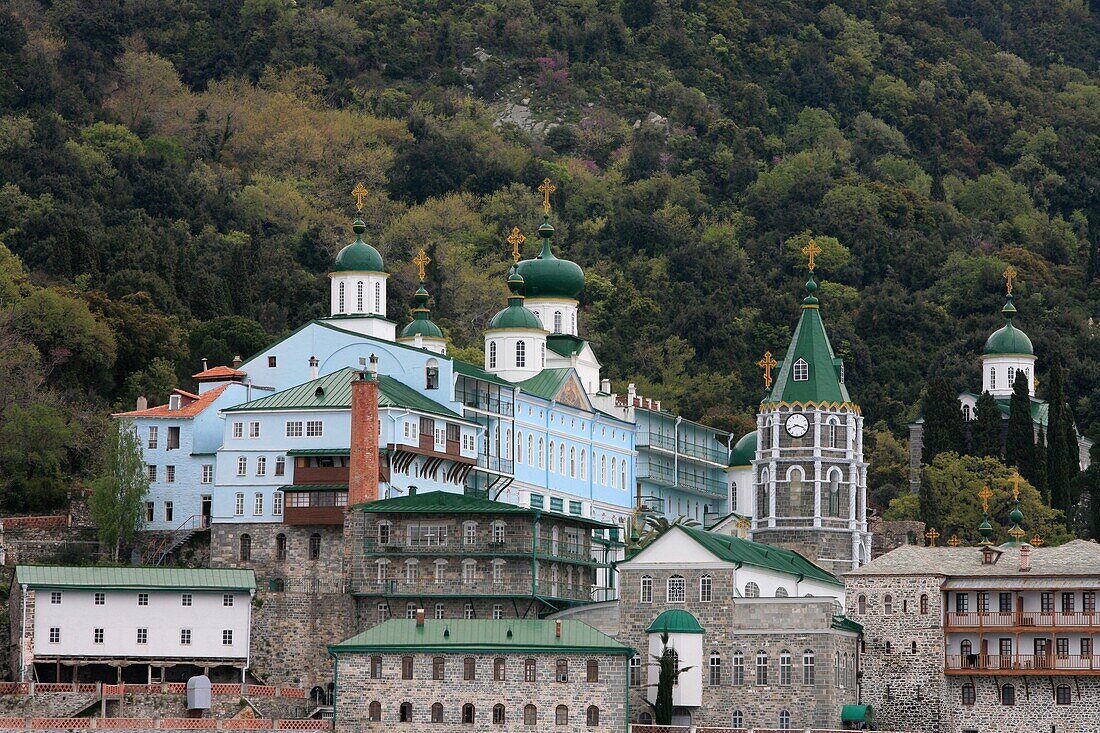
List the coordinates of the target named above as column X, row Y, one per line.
column 175, row 178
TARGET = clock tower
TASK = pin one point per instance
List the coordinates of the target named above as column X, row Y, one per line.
column 809, row 476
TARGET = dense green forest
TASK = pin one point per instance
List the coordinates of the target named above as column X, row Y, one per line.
column 175, row 178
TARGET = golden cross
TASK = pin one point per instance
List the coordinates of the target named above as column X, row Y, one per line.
column 932, row 535
column 1016, row 486
column 1009, row 275
column 546, row 189
column 954, row 541
column 1037, row 541
column 421, row 261
column 516, row 239
column 1036, row 381
column 985, row 495
column 767, row 364
column 1017, row 533
column 360, row 193
column 743, row 523
column 810, row 250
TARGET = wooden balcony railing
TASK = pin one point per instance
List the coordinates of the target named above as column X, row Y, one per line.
column 1001, row 620
column 514, row 544
column 1022, row 663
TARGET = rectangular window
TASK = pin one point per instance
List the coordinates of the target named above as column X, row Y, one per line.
column 100, row 599
column 575, row 508
column 150, row 509
column 55, row 598
column 635, row 671
column 227, row 637
column 762, row 669
column 1046, row 602
column 227, row 600
column 1088, row 601
column 152, row 437
column 1004, row 603
column 173, row 437
column 143, row 636
column 1061, row 647
column 1086, row 647
column 97, row 636
column 253, row 429
column 238, row 505
column 280, row 466
column 277, row 503
column 207, row 474
column 438, row 668
column 169, row 512
column 143, row 599
column 537, row 501
column 1068, row 602
column 314, row 429
column 185, row 599
column 169, row 474
column 427, row 535
column 272, row 362
column 238, row 430
column 376, row 668
column 498, row 612
column 962, row 602
column 185, row 637
column 258, row 504
column 439, row 610
column 738, row 672
column 983, row 602
column 556, row 505
column 294, row 428
column 151, row 472
column 55, row 634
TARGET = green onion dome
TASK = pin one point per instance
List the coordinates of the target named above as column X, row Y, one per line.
column 358, row 256
column 675, row 621
column 1008, row 339
column 515, row 316
column 1016, row 515
column 744, row 450
column 421, row 324
column 985, row 529
column 546, row 276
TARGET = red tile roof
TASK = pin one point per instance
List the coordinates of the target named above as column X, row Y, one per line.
column 218, row 372
column 190, row 405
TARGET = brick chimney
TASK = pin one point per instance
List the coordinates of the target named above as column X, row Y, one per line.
column 363, row 466
column 420, row 617
column 557, row 628
column 1025, row 558
column 236, row 361
column 142, row 403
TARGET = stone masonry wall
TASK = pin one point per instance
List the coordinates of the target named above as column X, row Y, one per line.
column 732, row 624
column 1035, row 708
column 814, row 544
column 356, row 690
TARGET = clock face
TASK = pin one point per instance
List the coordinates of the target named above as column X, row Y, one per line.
column 797, row 425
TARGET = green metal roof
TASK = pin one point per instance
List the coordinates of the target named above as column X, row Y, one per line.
column 319, row 452
column 1039, row 408
column 480, row 635
column 855, row 714
column 744, row 450
column 467, row 369
column 747, row 552
column 843, row 623
column 314, row 487
column 421, row 324
column 358, row 256
column 131, row 578
column 446, row 502
column 565, row 344
column 675, row 621
column 333, row 392
column 547, row 383
column 811, row 344
column 1008, row 340
column 546, row 275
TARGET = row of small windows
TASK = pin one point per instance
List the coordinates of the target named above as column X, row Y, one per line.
column 1063, row 694
column 499, row 667
column 520, row 361
column 676, row 589
column 258, row 504
column 359, row 301
column 292, row 429
column 795, row 475
column 888, row 607
column 737, row 720
column 557, row 321
column 261, row 466
column 844, row 672
column 468, row 714
column 1046, row 602
column 100, row 598
column 245, row 547
column 574, row 463
column 833, row 435
column 142, row 636
column 1011, row 378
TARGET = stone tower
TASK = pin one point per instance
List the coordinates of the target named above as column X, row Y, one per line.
column 809, row 476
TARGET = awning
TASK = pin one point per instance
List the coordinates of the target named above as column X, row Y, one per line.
column 856, row 714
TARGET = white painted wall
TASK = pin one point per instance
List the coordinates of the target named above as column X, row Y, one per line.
column 1000, row 364
column 688, row 692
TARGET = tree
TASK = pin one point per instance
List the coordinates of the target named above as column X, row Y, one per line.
column 1058, row 476
column 1020, row 442
column 943, row 422
column 36, row 445
column 985, row 430
column 668, row 662
column 118, row 493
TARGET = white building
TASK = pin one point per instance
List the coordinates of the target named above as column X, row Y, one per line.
column 149, row 624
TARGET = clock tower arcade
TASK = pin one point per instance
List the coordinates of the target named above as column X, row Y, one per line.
column 809, row 476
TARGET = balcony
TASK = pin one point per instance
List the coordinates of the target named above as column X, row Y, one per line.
column 657, row 473
column 668, row 443
column 1015, row 664
column 1022, row 621
column 465, row 589
column 521, row 544
column 321, row 474
column 693, row 482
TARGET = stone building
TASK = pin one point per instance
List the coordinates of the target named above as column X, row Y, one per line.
column 513, row 675
column 760, row 628
column 980, row 640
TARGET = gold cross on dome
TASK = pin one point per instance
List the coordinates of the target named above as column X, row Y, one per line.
column 421, row 261
column 1036, row 382
column 985, row 495
column 360, row 193
column 743, row 523
column 932, row 536
column 546, row 189
column 1009, row 275
column 767, row 364
column 811, row 250
column 1037, row 541
column 954, row 541
column 1016, row 486
column 1017, row 533
column 516, row 239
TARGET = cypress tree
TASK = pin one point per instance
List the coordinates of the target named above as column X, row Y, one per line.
column 1058, row 477
column 1020, row 443
column 985, row 430
column 1041, row 465
column 943, row 422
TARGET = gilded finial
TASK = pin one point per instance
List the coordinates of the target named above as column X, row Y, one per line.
column 1035, row 382
column 954, row 541
column 811, row 250
column 1037, row 541
column 516, row 239
column 546, row 189
column 1009, row 275
column 1017, row 533
column 360, row 193
column 422, row 260
column 932, row 536
column 743, row 523
column 985, row 495
column 767, row 364
column 1016, row 486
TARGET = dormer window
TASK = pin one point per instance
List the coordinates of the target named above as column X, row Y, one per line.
column 174, row 402
column 801, row 371
column 431, row 375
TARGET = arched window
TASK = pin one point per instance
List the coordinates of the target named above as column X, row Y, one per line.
column 561, row 715
column 801, row 371
column 550, row 456
column 431, row 374
column 808, row 667
column 572, row 462
column 1008, row 695
column 992, row 378
column 280, row 547
column 784, row 720
column 529, row 670
column 967, row 694
column 374, row 711
column 737, row 672
column 573, row 323
column 592, row 670
column 622, row 476
column 603, row 470
column 561, row 458
column 889, row 647
column 498, row 714
column 246, row 547
column 492, row 355
column 763, row 506
column 557, row 321
column 785, row 667
column 836, row 669
column 737, row 720
column 377, row 298
column 645, row 592
column 966, row 412
column 614, row 473
column 761, row 668
column 468, row 714
column 530, row 715
column 315, row 546
column 888, row 605
column 1062, row 695
column 592, row 715
column 677, row 589
column 752, row 590
column 542, row 455
column 1011, row 376
column 405, row 713
column 584, row 465
column 242, row 468
column 437, row 712
column 705, row 588
column 832, row 434
column 519, row 447
column 521, row 353
column 861, row 605
column 715, row 668
column 794, row 479
column 966, row 648
column 924, row 603
column 834, row 493
column 542, row 354
column 530, row 453
column 340, row 298
column 359, row 300
column 781, row 592
column 645, row 718
column 844, row 671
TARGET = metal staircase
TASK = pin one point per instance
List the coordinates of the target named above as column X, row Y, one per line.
column 162, row 544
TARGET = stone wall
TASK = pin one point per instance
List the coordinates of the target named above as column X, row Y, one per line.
column 1035, row 708
column 828, row 549
column 749, row 626
column 890, row 535
column 357, row 690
